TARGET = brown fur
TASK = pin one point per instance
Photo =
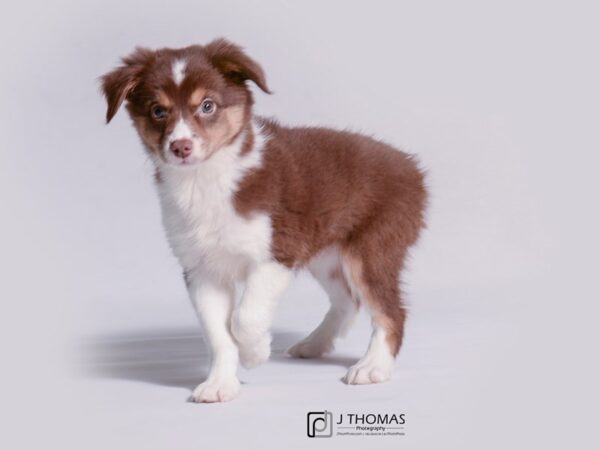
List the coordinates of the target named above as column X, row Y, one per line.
column 323, row 187
column 319, row 186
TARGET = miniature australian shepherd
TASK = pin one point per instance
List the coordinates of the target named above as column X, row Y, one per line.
column 247, row 200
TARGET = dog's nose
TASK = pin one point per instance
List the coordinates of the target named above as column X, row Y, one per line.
column 182, row 148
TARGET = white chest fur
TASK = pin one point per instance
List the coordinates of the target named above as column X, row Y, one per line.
column 202, row 226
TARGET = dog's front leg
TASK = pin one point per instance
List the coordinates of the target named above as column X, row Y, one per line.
column 251, row 321
column 214, row 301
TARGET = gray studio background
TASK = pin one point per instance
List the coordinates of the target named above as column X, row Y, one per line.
column 100, row 346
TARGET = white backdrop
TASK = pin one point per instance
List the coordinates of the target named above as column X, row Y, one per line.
column 498, row 99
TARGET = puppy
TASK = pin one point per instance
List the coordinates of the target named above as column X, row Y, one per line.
column 245, row 199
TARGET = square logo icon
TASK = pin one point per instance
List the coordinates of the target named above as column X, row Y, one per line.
column 319, row 424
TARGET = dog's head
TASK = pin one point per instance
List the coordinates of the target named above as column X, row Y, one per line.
column 188, row 103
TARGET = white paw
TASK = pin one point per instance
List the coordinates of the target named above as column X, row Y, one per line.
column 217, row 390
column 256, row 353
column 310, row 348
column 369, row 371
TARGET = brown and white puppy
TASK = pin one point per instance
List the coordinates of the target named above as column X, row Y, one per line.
column 245, row 199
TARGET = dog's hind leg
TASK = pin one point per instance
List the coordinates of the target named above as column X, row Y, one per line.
column 374, row 275
column 327, row 269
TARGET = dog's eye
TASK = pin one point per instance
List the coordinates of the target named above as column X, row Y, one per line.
column 158, row 112
column 208, row 107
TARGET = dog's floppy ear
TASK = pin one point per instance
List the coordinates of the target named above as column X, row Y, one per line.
column 119, row 83
column 234, row 64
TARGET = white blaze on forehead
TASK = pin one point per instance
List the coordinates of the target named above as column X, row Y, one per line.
column 179, row 71
column 181, row 131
